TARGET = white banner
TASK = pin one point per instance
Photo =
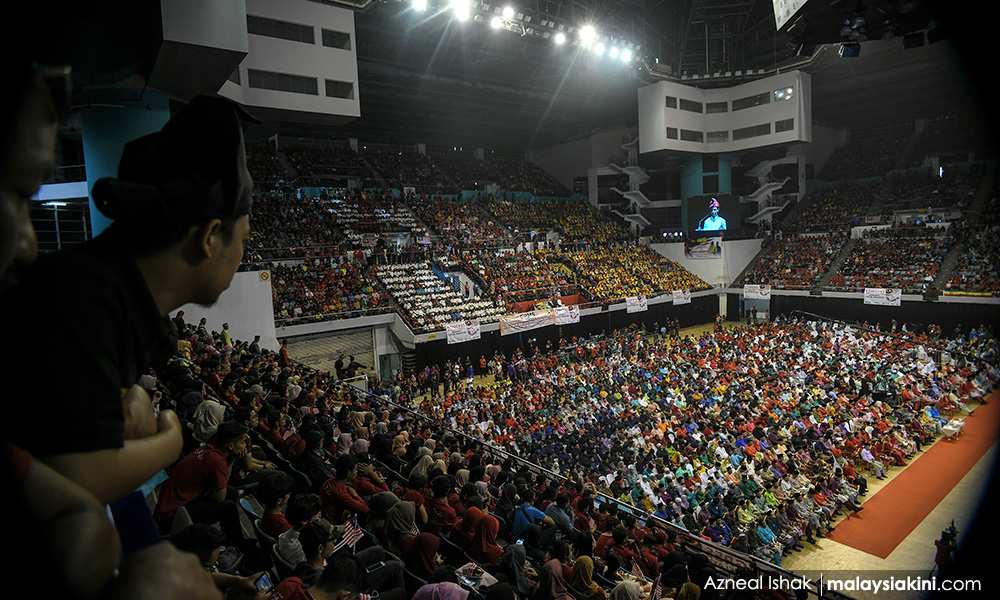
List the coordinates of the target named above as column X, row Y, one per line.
column 567, row 314
column 635, row 304
column 704, row 248
column 682, row 297
column 526, row 321
column 883, row 296
column 759, row 292
column 462, row 331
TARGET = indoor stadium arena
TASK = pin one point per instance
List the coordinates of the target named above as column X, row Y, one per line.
column 453, row 299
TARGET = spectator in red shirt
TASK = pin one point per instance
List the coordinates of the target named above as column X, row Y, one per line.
column 199, row 482
column 339, row 498
column 274, row 493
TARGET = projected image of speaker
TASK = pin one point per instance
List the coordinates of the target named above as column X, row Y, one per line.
column 713, row 221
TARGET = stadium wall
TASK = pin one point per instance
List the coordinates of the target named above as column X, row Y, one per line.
column 736, row 255
column 246, row 306
column 573, row 159
column 948, row 313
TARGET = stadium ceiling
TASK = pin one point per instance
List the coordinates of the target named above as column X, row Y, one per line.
column 425, row 77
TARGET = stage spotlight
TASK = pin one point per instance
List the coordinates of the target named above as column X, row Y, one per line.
column 508, row 13
column 626, row 55
column 614, row 52
column 560, row 38
column 496, row 23
column 420, row 5
column 587, row 35
column 461, row 9
column 599, row 49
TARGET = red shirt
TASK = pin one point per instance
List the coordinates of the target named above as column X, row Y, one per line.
column 199, row 473
column 274, row 524
column 443, row 514
column 336, row 499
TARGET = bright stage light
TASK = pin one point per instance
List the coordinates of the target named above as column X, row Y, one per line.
column 461, row 9
column 496, row 23
column 626, row 55
column 508, row 13
column 599, row 49
column 560, row 38
column 587, row 35
column 614, row 52
column 420, row 5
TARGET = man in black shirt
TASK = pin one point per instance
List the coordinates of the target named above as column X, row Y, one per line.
column 181, row 207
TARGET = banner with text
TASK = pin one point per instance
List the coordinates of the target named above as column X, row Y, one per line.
column 883, row 296
column 462, row 331
column 759, row 292
column 682, row 297
column 526, row 321
column 635, row 304
column 567, row 314
column 703, row 248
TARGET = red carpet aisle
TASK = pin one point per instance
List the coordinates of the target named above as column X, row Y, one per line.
column 895, row 510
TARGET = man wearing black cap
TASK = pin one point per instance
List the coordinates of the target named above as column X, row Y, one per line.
column 181, row 207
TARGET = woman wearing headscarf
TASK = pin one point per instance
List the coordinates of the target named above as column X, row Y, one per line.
column 441, row 591
column 400, row 443
column 466, row 528
column 378, row 507
column 551, row 585
column 344, row 443
column 483, row 547
column 627, row 590
column 207, row 418
column 422, row 558
column 400, row 523
column 512, row 566
column 423, row 466
column 582, row 578
column 508, row 500
column 360, row 446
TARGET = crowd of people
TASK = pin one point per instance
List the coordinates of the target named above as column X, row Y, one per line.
column 594, row 468
column 617, row 272
column 795, row 262
column 905, row 258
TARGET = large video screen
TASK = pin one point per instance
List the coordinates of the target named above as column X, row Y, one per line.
column 715, row 213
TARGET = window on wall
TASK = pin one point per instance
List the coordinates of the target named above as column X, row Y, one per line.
column 716, row 107
column 751, row 132
column 235, row 76
column 714, row 137
column 283, row 82
column 751, row 101
column 339, row 89
column 282, row 30
column 671, row 102
column 671, row 133
column 692, row 136
column 336, row 39
column 691, row 106
column 784, row 125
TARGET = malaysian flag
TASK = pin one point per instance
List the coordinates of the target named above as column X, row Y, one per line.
column 657, row 591
column 636, row 570
column 352, row 534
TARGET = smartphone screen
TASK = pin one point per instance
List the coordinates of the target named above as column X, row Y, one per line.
column 263, row 583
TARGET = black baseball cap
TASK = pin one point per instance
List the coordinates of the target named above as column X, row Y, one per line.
column 192, row 170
